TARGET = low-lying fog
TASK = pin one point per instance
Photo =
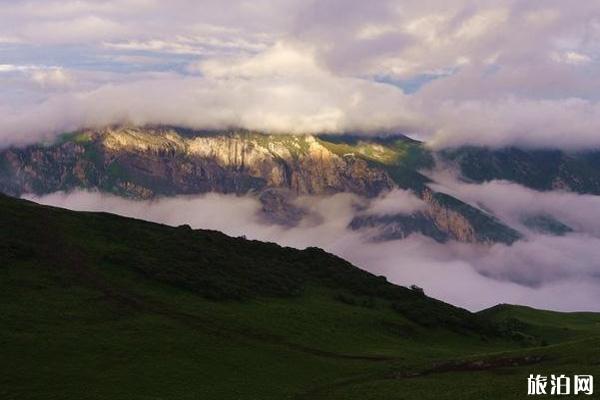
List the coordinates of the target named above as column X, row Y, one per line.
column 552, row 272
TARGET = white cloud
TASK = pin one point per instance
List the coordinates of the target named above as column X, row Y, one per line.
column 397, row 201
column 81, row 29
column 282, row 60
column 511, row 202
column 506, row 72
column 196, row 45
column 571, row 57
column 570, row 123
column 15, row 68
column 54, row 77
column 300, row 100
column 481, row 23
column 9, row 40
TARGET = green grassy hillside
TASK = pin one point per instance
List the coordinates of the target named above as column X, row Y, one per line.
column 95, row 306
column 553, row 326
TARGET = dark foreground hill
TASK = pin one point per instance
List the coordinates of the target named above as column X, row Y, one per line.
column 95, row 306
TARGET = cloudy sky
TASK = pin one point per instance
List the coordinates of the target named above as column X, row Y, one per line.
column 495, row 72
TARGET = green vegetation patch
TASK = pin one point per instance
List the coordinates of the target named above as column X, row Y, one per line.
column 96, row 306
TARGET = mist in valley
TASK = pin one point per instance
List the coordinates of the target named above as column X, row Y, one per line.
column 541, row 270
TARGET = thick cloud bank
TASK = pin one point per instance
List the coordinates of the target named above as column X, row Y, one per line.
column 312, row 104
column 543, row 271
column 498, row 73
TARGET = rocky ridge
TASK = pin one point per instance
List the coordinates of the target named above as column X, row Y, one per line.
column 149, row 162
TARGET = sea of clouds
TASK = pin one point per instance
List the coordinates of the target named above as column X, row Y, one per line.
column 555, row 272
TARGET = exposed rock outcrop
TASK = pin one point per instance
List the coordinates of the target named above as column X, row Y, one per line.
column 149, row 162
column 445, row 218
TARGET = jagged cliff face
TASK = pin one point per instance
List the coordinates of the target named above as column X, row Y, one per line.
column 144, row 163
column 448, row 220
column 147, row 162
column 445, row 218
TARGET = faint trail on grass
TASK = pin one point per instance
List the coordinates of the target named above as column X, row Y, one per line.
column 474, row 365
column 484, row 364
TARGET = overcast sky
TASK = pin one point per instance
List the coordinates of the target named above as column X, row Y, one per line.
column 496, row 72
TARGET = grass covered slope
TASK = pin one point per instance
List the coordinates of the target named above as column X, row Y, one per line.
column 95, row 306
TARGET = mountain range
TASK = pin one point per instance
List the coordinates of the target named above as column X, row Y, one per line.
column 157, row 161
